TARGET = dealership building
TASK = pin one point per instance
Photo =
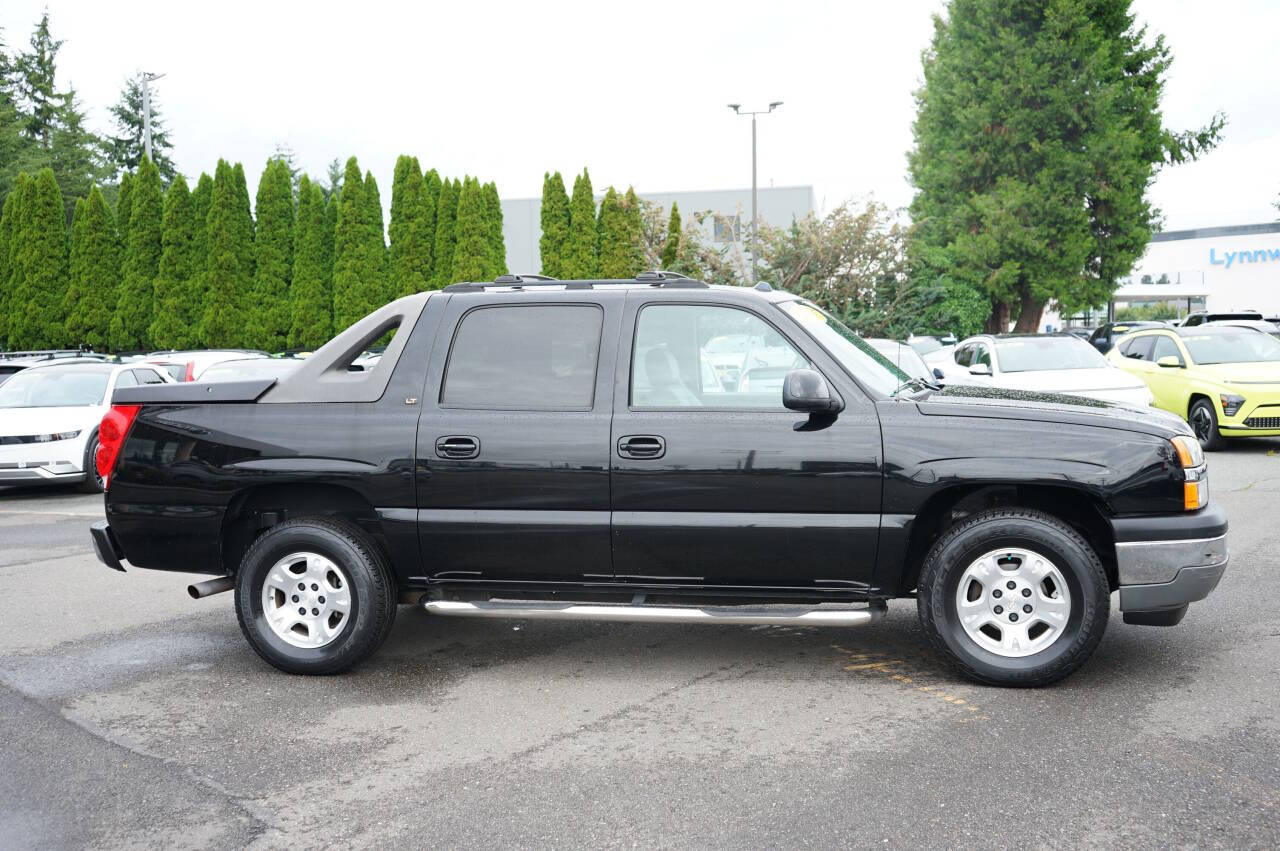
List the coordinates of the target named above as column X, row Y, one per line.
column 729, row 221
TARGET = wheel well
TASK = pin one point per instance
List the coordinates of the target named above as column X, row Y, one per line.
column 255, row 510
column 945, row 509
column 1195, row 397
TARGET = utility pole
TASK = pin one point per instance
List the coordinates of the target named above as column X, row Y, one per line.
column 147, row 79
column 736, row 107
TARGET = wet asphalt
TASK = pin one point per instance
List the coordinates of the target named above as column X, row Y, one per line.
column 133, row 715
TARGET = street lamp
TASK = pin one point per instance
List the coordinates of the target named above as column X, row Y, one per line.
column 737, row 110
column 147, row 79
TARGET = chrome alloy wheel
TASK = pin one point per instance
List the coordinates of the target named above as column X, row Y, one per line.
column 306, row 599
column 1013, row 602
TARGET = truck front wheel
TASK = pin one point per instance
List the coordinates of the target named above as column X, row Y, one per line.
column 1013, row 597
column 314, row 596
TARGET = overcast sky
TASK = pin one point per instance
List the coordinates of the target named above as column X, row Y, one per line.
column 507, row 91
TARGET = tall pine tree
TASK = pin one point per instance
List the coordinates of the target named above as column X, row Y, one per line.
column 268, row 319
column 497, row 254
column 36, row 320
column 671, row 246
column 471, row 253
column 410, row 229
column 95, row 261
column 376, row 263
column 124, row 206
column 580, row 250
column 228, row 275
column 9, row 219
column 633, row 216
column 348, row 249
column 555, row 225
column 446, row 234
column 201, row 200
column 131, row 325
column 310, row 297
column 127, row 148
column 176, row 322
column 615, row 241
column 431, row 194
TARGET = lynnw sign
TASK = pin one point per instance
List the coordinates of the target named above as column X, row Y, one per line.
column 1236, row 257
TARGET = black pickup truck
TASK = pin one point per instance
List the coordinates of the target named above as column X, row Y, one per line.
column 660, row 450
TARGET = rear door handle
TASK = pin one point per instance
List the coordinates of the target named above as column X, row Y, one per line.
column 642, row 446
column 457, row 447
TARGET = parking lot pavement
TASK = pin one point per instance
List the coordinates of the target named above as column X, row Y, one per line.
column 130, row 714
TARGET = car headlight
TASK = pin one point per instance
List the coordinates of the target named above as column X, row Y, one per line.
column 57, row 435
column 1231, row 403
column 1195, row 487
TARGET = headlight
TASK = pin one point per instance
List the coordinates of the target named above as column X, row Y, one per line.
column 1231, row 403
column 57, row 435
column 1195, row 487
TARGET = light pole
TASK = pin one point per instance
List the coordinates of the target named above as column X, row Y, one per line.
column 147, row 79
column 737, row 110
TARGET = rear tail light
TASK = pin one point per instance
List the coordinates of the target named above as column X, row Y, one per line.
column 191, row 371
column 111, row 434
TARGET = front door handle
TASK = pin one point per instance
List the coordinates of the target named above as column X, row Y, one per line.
column 642, row 446
column 457, row 447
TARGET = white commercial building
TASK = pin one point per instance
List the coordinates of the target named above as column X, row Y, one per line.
column 729, row 224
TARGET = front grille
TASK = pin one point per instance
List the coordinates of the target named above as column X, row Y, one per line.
column 1263, row 422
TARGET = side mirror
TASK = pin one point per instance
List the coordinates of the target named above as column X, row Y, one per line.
column 939, row 374
column 806, row 390
column 1169, row 362
column 980, row 369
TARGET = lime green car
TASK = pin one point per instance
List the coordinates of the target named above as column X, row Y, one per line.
column 1225, row 381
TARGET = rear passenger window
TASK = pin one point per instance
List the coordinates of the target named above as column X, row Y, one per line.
column 1139, row 348
column 525, row 357
column 126, row 379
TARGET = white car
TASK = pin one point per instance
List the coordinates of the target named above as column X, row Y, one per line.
column 905, row 357
column 189, row 366
column 1044, row 363
column 49, row 418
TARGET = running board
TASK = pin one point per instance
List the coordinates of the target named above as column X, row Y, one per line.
column 775, row 615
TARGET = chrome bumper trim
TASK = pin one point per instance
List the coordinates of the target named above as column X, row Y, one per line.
column 1152, row 562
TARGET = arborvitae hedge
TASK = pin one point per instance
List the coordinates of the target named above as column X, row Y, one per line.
column 201, row 200
column 177, row 319
column 124, row 204
column 228, row 273
column 471, row 254
column 446, row 233
column 580, row 257
column 8, row 246
column 95, row 258
column 376, row 263
column 310, row 295
column 268, row 318
column 36, row 320
column 615, row 243
column 410, row 229
column 131, row 325
column 493, row 227
column 634, row 219
column 671, row 246
column 555, row 225
column 431, row 195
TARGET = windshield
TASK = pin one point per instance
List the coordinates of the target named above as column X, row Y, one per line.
column 1231, row 347
column 55, row 388
column 1031, row 354
column 903, row 357
column 924, row 345
column 862, row 361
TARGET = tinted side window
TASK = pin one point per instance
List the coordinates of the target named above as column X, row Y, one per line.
column 963, row 354
column 981, row 355
column 693, row 356
column 1165, row 347
column 525, row 357
column 147, row 376
column 1139, row 348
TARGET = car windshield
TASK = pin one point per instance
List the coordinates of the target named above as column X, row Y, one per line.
column 903, row 357
column 860, row 359
column 1230, row 347
column 55, row 388
column 1032, row 354
column 924, row 345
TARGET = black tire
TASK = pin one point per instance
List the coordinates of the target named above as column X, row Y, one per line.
column 1034, row 531
column 1203, row 418
column 92, row 481
column 373, row 594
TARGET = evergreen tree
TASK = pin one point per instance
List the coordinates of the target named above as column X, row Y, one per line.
column 633, row 217
column 333, row 188
column 431, row 197
column 471, row 252
column 10, row 220
column 124, row 206
column 671, row 247
column 348, row 249
column 36, row 320
column 228, row 275
column 38, row 95
column 95, row 262
column 581, row 260
column 555, row 225
column 493, row 225
column 268, row 318
column 73, row 153
column 201, row 200
column 127, row 148
column 446, row 234
column 616, row 252
column 14, row 144
column 375, row 263
column 310, row 297
column 135, row 304
column 410, row 229
column 244, row 220
column 329, row 246
column 177, row 321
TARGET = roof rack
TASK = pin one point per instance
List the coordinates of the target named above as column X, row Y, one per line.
column 656, row 278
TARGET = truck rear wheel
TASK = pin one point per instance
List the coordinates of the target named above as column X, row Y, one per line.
column 315, row 596
column 1013, row 597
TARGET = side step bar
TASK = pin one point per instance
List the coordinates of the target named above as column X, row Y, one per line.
column 777, row 615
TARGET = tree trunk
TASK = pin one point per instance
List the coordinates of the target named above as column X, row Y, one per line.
column 998, row 321
column 1029, row 316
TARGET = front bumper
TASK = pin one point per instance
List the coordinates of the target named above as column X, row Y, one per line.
column 1167, row 562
